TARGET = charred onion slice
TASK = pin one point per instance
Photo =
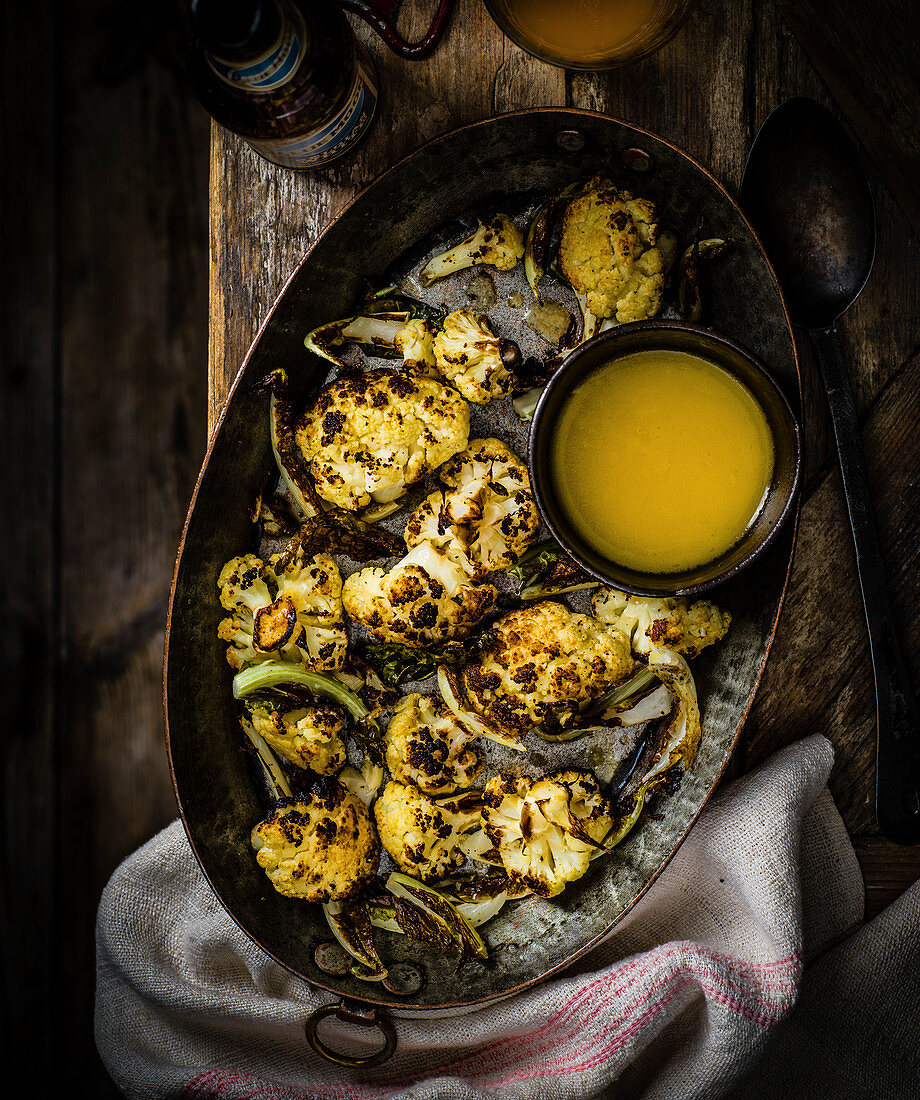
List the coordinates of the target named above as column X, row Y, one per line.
column 449, row 686
column 437, row 906
column 350, row 923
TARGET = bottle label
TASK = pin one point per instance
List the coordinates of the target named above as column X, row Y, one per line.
column 339, row 134
column 277, row 65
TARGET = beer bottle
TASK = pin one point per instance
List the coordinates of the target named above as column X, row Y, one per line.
column 288, row 76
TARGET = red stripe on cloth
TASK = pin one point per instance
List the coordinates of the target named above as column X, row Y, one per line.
column 520, row 1046
column 737, row 980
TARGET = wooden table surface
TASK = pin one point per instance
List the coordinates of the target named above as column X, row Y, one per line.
column 707, row 91
column 104, row 222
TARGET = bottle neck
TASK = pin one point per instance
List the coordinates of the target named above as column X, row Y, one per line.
column 265, row 66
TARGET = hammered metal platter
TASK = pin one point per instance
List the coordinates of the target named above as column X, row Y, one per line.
column 426, row 201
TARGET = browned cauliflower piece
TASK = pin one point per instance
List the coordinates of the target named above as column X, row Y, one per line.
column 488, row 508
column 544, row 663
column 368, row 436
column 313, row 587
column 609, row 253
column 469, row 356
column 308, row 736
column 292, row 614
column 415, row 342
column 420, row 834
column 427, row 746
column 426, row 599
column 545, row 830
column 669, row 622
column 320, row 848
column 497, row 242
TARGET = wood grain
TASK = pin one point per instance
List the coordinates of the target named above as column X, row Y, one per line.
column 708, row 91
column 29, row 658
column 848, row 44
column 104, row 396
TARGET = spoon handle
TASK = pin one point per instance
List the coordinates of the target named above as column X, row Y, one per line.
column 897, row 758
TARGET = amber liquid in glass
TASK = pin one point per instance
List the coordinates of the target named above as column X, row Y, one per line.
column 589, row 34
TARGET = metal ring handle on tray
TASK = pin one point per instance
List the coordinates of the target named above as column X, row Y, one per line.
column 361, row 1017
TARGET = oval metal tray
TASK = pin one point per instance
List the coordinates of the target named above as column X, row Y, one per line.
column 518, row 155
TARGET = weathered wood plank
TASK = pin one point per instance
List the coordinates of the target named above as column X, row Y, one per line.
column 888, row 871
column 848, row 44
column 819, row 676
column 133, row 192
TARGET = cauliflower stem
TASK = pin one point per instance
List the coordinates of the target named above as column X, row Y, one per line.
column 270, row 674
column 497, row 242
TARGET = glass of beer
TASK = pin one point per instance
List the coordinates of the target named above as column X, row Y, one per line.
column 589, row 34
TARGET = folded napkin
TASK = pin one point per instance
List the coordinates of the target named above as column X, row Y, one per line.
column 678, row 1003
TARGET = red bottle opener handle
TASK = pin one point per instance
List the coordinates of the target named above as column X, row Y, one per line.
column 379, row 15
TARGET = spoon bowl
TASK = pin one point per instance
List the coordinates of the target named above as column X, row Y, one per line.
column 806, row 192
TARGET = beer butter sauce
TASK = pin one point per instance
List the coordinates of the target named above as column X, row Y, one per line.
column 661, row 460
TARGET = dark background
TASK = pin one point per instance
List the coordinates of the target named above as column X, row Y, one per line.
column 104, row 395
column 103, row 342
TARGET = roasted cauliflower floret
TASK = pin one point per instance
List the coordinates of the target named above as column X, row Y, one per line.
column 308, row 736
column 426, row 599
column 255, row 631
column 469, row 355
column 420, row 834
column 671, row 623
column 545, row 830
column 488, row 508
column 609, row 254
column 544, row 663
column 415, row 342
column 320, row 848
column 427, row 746
column 314, row 588
column 497, row 242
column 292, row 614
column 368, row 436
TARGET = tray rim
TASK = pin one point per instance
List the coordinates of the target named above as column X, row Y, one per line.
column 404, row 1007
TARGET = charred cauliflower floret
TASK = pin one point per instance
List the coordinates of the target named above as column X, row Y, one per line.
column 307, row 736
column 368, row 436
column 420, row 834
column 544, row 663
column 320, row 848
column 256, row 629
column 609, row 254
column 469, row 355
column 497, row 242
column 427, row 746
column 670, row 623
column 426, row 599
column 415, row 342
column 292, row 614
column 545, row 830
column 313, row 587
column 487, row 508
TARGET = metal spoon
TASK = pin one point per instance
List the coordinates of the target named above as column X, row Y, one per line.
column 807, row 195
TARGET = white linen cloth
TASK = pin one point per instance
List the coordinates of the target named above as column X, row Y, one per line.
column 678, row 1004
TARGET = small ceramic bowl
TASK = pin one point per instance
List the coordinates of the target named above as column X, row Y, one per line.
column 725, row 353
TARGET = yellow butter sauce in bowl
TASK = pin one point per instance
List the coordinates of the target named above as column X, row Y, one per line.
column 661, row 460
